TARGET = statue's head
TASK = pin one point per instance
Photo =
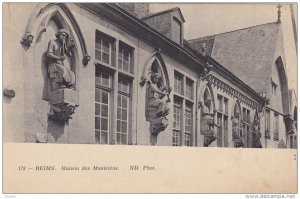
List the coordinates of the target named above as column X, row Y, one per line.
column 62, row 35
column 154, row 77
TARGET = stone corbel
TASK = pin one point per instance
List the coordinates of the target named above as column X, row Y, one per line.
column 9, row 93
column 63, row 103
column 208, row 140
column 27, row 39
column 86, row 59
column 62, row 112
column 158, row 125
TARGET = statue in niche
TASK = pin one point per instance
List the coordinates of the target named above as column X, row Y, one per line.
column 207, row 122
column 158, row 98
column 63, row 99
column 236, row 129
column 256, row 133
column 60, row 73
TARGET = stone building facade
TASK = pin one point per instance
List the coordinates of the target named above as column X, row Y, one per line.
column 117, row 74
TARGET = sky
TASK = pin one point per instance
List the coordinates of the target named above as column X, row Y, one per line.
column 208, row 19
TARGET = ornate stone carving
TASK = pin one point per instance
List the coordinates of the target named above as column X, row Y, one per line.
column 236, row 130
column 61, row 112
column 256, row 134
column 62, row 104
column 158, row 99
column 62, row 95
column 207, row 121
column 60, row 73
column 9, row 93
column 27, row 39
column 86, row 59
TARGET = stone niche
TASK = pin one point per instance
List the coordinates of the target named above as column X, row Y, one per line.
column 207, row 123
column 237, row 131
column 157, row 99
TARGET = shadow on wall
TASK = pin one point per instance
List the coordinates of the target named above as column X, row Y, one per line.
column 7, row 100
column 55, row 130
column 281, row 144
column 153, row 139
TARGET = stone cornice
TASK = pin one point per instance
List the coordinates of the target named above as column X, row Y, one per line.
column 218, row 68
column 126, row 21
column 219, row 84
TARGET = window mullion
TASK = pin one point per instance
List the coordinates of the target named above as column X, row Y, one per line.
column 115, row 108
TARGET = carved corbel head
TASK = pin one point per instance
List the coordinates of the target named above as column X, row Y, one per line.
column 9, row 93
column 27, row 39
column 143, row 81
column 86, row 59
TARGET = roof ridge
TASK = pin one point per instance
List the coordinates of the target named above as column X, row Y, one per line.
column 201, row 38
column 160, row 12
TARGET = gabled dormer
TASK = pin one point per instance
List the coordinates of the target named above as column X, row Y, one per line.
column 167, row 22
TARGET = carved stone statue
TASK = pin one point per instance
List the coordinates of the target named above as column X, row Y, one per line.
column 256, row 133
column 236, row 128
column 158, row 98
column 208, row 123
column 62, row 96
column 60, row 73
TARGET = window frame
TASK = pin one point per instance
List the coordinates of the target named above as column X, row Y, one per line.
column 123, row 47
column 116, row 89
column 108, row 89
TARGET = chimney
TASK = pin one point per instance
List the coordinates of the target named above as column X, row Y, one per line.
column 139, row 10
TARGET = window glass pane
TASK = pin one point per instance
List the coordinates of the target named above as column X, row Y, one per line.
column 124, row 127
column 126, row 66
column 98, row 80
column 105, row 46
column 97, row 136
column 118, row 126
column 120, row 65
column 124, row 101
column 220, row 104
column 178, row 84
column 124, row 114
column 105, row 97
column 176, row 116
column 97, row 95
column 98, row 45
column 98, row 55
column 104, row 138
column 119, row 113
column 126, row 55
column 176, row 138
column 105, row 80
column 226, row 105
column 104, row 110
column 104, row 124
column 119, row 100
column 97, row 122
column 124, row 59
column 189, row 89
column 123, row 86
column 105, row 57
column 97, row 109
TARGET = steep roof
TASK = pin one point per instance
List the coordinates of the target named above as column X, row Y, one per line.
column 247, row 53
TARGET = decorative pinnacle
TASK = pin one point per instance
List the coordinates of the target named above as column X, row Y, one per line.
column 279, row 14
